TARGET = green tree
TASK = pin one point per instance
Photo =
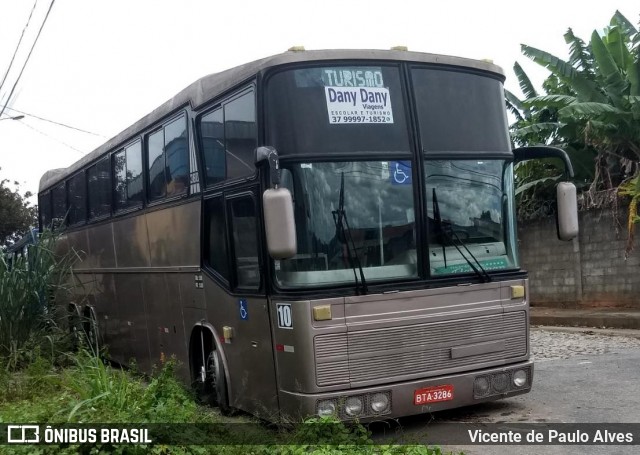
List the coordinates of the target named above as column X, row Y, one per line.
column 595, row 97
column 16, row 213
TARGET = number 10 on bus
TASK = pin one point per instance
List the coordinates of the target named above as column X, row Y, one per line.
column 285, row 319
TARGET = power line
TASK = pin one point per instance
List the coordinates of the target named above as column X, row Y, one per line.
column 28, row 56
column 56, row 123
column 18, row 46
column 51, row 137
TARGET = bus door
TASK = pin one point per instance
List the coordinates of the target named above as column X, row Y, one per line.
column 241, row 311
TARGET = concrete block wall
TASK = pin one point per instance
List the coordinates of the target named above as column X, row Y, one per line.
column 590, row 271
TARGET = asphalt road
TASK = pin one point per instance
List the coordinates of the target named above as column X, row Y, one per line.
column 579, row 378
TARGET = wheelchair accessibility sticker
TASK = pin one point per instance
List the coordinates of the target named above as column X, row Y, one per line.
column 400, row 172
column 244, row 310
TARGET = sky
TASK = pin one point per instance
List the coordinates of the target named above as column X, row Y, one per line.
column 100, row 65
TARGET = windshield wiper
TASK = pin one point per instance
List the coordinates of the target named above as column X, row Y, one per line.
column 482, row 273
column 343, row 232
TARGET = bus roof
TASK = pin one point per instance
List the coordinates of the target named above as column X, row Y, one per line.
column 209, row 87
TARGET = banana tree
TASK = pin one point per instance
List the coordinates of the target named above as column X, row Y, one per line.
column 596, row 98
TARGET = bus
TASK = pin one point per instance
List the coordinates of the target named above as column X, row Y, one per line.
column 314, row 233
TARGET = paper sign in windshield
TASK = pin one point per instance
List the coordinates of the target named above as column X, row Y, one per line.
column 347, row 105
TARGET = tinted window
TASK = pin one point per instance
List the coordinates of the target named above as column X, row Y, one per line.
column 168, row 152
column 59, row 204
column 240, row 136
column 245, row 242
column 212, row 136
column 217, row 255
column 44, row 204
column 120, row 179
column 99, row 183
column 134, row 174
column 157, row 182
column 177, row 157
column 127, row 172
column 460, row 112
column 321, row 111
column 77, row 197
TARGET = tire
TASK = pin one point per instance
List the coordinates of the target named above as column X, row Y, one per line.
column 76, row 329
column 90, row 328
column 216, row 383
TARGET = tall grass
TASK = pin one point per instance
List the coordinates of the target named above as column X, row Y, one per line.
column 28, row 314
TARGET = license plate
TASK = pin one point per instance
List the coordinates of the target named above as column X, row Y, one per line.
column 433, row 394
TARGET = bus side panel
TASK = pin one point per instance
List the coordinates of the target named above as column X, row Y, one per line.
column 131, row 242
column 174, row 235
column 101, row 253
column 133, row 340
column 164, row 318
column 249, row 353
column 105, row 299
column 80, row 244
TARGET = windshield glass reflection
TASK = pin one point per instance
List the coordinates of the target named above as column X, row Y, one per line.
column 469, row 202
column 378, row 204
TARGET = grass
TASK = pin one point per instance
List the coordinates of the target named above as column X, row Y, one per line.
column 89, row 391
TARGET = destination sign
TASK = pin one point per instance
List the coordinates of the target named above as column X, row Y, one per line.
column 358, row 105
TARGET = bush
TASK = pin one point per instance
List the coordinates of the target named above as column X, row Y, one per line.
column 28, row 318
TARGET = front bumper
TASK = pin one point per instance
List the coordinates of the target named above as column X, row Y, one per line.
column 298, row 406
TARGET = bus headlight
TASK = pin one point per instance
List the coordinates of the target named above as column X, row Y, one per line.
column 481, row 386
column 379, row 402
column 326, row 408
column 353, row 406
column 500, row 382
column 519, row 378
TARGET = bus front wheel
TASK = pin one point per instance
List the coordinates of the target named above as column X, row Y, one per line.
column 216, row 382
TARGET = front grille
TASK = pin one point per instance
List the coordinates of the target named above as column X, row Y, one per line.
column 420, row 350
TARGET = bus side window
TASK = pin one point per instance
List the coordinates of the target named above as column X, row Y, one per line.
column 176, row 148
column 77, row 198
column 44, row 204
column 212, row 137
column 168, row 160
column 59, row 196
column 157, row 178
column 245, row 242
column 99, row 183
column 240, row 135
column 127, row 177
column 216, row 255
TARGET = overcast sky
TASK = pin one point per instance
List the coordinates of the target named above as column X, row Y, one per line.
column 100, row 65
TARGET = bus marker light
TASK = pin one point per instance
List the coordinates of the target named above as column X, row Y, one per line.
column 227, row 334
column 322, row 313
column 517, row 292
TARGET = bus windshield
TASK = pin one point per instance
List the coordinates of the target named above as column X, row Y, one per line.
column 348, row 123
column 379, row 215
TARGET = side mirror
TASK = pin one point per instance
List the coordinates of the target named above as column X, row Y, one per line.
column 567, row 211
column 567, row 216
column 279, row 223
column 277, row 203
